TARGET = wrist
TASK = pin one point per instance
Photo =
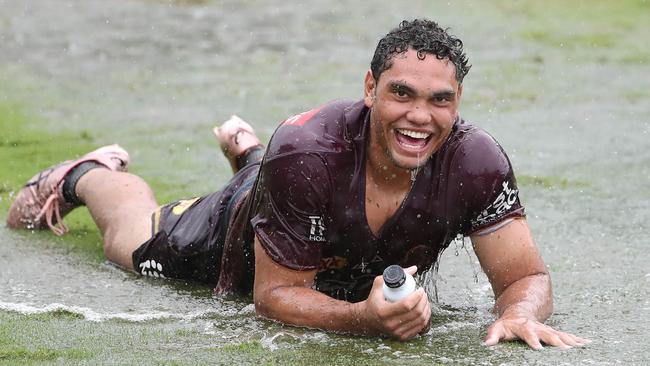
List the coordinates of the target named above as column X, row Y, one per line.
column 517, row 310
column 360, row 317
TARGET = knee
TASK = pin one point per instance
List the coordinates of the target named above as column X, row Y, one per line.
column 119, row 250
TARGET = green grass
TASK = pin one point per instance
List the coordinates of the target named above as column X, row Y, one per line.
column 548, row 182
column 32, row 355
column 584, row 31
column 24, row 151
column 595, row 27
column 49, row 338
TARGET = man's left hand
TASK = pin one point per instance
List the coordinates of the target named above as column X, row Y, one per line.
column 512, row 327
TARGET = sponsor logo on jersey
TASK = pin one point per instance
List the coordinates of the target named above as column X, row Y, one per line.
column 367, row 266
column 317, row 229
column 502, row 204
column 334, row 262
column 300, row 119
column 151, row 268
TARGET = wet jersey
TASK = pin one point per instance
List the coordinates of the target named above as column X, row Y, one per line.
column 307, row 206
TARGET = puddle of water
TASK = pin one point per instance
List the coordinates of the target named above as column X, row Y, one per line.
column 566, row 103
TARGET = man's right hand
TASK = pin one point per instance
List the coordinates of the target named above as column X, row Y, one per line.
column 401, row 320
column 287, row 295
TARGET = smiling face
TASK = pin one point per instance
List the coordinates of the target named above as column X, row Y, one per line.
column 413, row 108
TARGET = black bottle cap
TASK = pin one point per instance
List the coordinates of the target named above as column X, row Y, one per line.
column 394, row 276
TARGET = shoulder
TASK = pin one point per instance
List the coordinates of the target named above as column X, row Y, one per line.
column 483, row 179
column 320, row 129
column 332, row 111
column 477, row 153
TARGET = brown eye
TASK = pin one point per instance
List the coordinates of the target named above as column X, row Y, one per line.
column 400, row 92
column 442, row 100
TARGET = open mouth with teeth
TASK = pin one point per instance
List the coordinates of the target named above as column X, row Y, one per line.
column 412, row 140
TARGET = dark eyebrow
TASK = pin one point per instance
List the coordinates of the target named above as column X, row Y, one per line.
column 395, row 85
column 443, row 94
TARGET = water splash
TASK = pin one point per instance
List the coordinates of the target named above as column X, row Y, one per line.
column 429, row 280
column 94, row 316
column 461, row 240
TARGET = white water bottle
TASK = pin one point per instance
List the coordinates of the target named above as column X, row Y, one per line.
column 397, row 283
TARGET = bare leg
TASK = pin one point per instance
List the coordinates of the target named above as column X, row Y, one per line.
column 121, row 205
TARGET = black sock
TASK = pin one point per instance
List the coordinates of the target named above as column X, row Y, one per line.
column 73, row 176
column 251, row 156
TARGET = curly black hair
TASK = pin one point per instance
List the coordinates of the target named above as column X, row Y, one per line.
column 425, row 37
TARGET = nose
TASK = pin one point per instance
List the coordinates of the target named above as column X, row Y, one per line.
column 419, row 114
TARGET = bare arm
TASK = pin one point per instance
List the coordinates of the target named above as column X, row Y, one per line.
column 522, row 287
column 516, row 271
column 286, row 295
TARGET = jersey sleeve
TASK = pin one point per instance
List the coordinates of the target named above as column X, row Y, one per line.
column 487, row 184
column 290, row 209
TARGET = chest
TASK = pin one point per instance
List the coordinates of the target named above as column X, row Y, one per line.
column 381, row 204
column 366, row 223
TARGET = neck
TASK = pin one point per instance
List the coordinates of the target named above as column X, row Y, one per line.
column 382, row 172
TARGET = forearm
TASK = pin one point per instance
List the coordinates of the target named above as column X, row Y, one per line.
column 530, row 296
column 287, row 295
column 302, row 306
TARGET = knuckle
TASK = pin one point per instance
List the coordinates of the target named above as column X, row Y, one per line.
column 382, row 315
column 424, row 318
column 413, row 302
column 402, row 306
column 496, row 325
column 390, row 325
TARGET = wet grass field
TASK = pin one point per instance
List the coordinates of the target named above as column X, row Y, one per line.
column 563, row 86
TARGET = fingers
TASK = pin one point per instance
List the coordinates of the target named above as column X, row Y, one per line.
column 582, row 341
column 573, row 340
column 421, row 312
column 404, row 310
column 416, row 318
column 377, row 292
column 412, row 270
column 532, row 332
column 494, row 334
column 532, row 339
column 554, row 339
column 508, row 331
column 401, row 320
column 563, row 340
column 569, row 339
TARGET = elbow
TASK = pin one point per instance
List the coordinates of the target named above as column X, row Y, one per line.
column 259, row 303
column 263, row 304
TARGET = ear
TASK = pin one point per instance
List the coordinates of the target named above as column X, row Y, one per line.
column 369, row 92
column 459, row 94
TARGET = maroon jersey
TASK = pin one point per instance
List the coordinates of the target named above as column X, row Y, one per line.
column 308, row 205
